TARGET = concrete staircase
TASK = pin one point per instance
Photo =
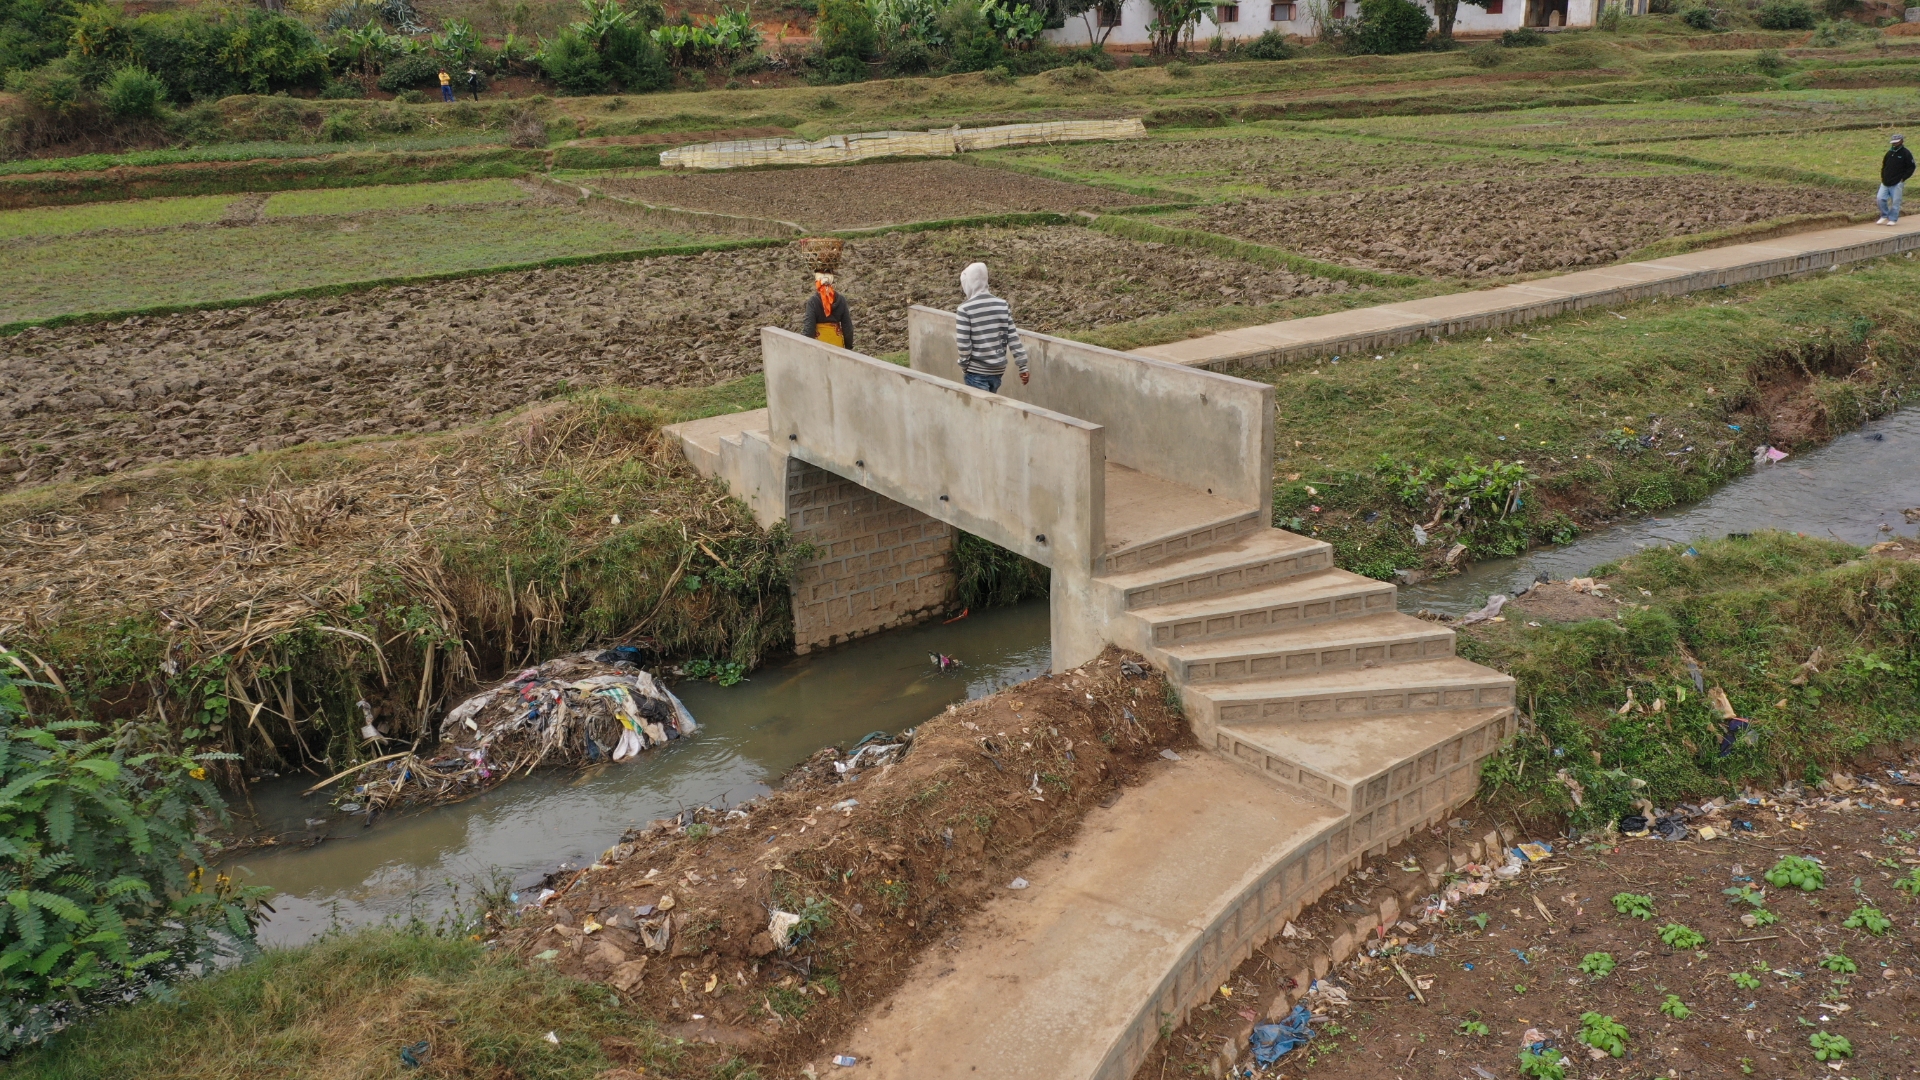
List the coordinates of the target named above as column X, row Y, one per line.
column 1292, row 667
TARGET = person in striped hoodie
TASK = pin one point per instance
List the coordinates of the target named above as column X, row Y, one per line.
column 983, row 329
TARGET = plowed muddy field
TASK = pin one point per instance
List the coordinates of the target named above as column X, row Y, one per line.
column 84, row 400
column 861, row 196
column 1493, row 227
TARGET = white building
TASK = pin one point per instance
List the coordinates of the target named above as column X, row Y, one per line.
column 1233, row 21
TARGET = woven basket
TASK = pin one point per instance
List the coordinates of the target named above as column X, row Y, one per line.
column 823, row 253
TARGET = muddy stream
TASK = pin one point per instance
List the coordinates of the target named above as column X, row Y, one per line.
column 418, row 863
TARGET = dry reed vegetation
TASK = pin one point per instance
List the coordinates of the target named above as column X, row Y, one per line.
column 250, row 604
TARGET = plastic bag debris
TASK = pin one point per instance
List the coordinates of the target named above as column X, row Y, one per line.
column 780, row 925
column 553, row 1037
column 845, row 1061
column 1017, row 883
column 1534, row 852
column 1269, row 1041
column 1490, row 611
column 417, row 1054
column 1171, row 756
column 1431, row 948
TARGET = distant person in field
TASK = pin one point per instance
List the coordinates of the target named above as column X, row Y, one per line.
column 828, row 318
column 446, row 87
column 1894, row 170
column 983, row 329
column 473, row 84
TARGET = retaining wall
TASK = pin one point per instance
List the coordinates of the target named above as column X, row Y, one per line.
column 877, row 564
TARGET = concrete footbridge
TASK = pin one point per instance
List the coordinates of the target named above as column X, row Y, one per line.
column 1337, row 725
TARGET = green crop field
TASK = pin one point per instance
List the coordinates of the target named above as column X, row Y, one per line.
column 116, row 272
column 142, row 214
column 391, row 197
column 1843, row 155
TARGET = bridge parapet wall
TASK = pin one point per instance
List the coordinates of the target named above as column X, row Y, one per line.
column 1201, row 429
column 1024, row 477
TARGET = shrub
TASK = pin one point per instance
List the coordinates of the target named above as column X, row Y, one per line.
column 1786, row 15
column 1702, row 17
column 1391, row 26
column 633, row 60
column 342, row 127
column 52, row 88
column 1770, row 63
column 105, row 887
column 409, row 97
column 528, row 131
column 410, row 73
column 573, row 65
column 1524, row 38
column 1486, row 55
column 1271, row 45
column 845, row 29
column 134, row 92
column 342, row 90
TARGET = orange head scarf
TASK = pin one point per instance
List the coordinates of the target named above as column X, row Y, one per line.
column 823, row 284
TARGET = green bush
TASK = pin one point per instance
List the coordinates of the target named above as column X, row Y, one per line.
column 634, row 61
column 1486, row 55
column 1524, row 38
column 342, row 127
column 52, row 88
column 1786, row 15
column 1702, row 17
column 573, row 65
column 415, row 72
column 342, row 90
column 1391, row 26
column 32, row 32
column 845, row 30
column 1271, row 45
column 134, row 93
column 101, row 870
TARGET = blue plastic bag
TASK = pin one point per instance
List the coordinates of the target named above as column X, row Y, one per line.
column 1270, row 1041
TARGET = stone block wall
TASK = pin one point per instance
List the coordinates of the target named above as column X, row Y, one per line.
column 877, row 564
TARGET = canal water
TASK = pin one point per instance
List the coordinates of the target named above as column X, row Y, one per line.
column 413, row 863
column 1853, row 489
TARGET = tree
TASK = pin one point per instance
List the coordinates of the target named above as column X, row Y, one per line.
column 1091, row 12
column 1391, row 26
column 1174, row 20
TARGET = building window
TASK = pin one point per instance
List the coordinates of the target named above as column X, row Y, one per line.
column 1337, row 10
column 1226, row 13
column 1496, row 7
column 1280, row 13
column 1110, row 14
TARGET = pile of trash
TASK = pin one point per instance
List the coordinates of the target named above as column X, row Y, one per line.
column 576, row 710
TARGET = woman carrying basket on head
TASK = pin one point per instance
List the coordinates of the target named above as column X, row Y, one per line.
column 828, row 319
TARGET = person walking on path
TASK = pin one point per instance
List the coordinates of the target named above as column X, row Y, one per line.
column 1894, row 170
column 983, row 329
column 473, row 84
column 446, row 86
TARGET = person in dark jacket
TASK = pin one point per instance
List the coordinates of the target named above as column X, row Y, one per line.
column 828, row 319
column 1894, row 170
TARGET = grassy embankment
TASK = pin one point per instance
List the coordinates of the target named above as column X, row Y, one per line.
column 1748, row 613
column 1555, row 414
column 280, row 588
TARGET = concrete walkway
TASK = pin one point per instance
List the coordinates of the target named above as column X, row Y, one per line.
column 1371, row 329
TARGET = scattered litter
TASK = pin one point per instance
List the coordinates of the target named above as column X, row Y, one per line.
column 417, row 1054
column 1133, row 669
column 1767, row 455
column 846, row 805
column 942, row 661
column 780, row 927
column 1171, row 756
column 553, row 1038
column 1419, row 536
column 1292, row 931
column 1017, row 883
column 1534, row 852
column 1270, row 1041
column 845, row 1061
column 1431, row 948
column 1491, row 610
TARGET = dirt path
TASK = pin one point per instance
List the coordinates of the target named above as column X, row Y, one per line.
column 85, row 400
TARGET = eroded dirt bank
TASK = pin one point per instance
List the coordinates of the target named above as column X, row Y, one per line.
column 879, row 864
column 85, row 400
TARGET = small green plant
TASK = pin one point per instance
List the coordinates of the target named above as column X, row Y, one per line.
column 1763, row 917
column 1869, row 918
column 1675, row 1008
column 724, row 672
column 892, row 892
column 1677, row 936
column 1633, row 905
column 1747, row 894
column 1796, row 872
column 1480, row 920
column 1597, row 964
column 1910, row 883
column 1829, row 1047
column 134, row 93
column 1603, row 1033
column 1519, row 988
column 1545, row 1065
column 1744, row 981
column 1839, row 962
column 1473, row 1027
column 699, row 830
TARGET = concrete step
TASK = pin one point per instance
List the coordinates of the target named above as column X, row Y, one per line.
column 1313, row 598
column 1356, row 693
column 1150, row 520
column 1366, row 764
column 1364, row 642
column 700, row 439
column 1258, row 558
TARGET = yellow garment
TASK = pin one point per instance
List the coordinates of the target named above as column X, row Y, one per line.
column 829, row 332
column 445, row 79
